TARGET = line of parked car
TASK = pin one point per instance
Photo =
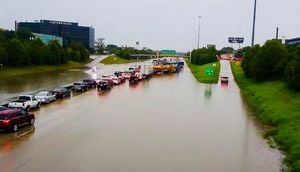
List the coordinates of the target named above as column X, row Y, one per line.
column 17, row 112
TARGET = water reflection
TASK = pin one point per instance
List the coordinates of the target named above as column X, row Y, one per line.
column 13, row 86
column 208, row 91
column 10, row 141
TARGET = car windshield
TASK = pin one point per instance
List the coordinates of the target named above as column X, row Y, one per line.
column 42, row 94
column 2, row 108
column 57, row 89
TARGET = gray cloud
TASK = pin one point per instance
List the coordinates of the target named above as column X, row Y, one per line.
column 163, row 24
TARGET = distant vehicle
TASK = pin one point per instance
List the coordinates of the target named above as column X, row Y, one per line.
column 118, row 73
column 91, row 83
column 103, row 85
column 26, row 102
column 133, row 79
column 146, row 71
column 12, row 119
column 79, row 86
column 126, row 74
column 45, row 97
column 224, row 79
column 94, row 69
column 109, row 79
column 61, row 92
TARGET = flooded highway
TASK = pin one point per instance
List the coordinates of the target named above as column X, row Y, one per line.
column 169, row 123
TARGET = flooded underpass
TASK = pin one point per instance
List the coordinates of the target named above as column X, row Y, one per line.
column 168, row 123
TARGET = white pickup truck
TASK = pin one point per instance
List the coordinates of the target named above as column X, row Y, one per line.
column 26, row 102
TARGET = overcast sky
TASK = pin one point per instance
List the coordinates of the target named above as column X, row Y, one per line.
column 163, row 24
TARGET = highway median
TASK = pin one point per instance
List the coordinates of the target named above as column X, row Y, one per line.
column 113, row 59
column 208, row 73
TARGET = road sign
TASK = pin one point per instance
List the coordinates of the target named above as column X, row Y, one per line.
column 236, row 40
column 209, row 71
column 167, row 52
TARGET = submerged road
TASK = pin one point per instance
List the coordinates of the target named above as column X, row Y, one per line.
column 167, row 124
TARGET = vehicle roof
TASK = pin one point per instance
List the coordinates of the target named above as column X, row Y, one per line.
column 42, row 92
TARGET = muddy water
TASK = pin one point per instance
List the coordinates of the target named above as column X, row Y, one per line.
column 13, row 86
column 169, row 123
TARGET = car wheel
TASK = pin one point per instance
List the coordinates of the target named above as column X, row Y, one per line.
column 15, row 128
column 63, row 96
column 32, row 120
column 28, row 108
column 38, row 105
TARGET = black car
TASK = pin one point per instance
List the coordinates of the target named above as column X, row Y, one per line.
column 79, row 86
column 103, row 85
column 91, row 83
column 61, row 92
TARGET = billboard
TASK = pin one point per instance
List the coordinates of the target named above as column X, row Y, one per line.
column 236, row 40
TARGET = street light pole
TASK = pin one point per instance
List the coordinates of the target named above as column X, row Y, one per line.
column 199, row 32
column 254, row 20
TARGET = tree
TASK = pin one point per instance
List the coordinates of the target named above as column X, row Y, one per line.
column 292, row 72
column 100, row 45
column 15, row 52
column 78, row 52
column 247, row 63
column 24, row 34
column 204, row 55
column 270, row 62
column 3, row 56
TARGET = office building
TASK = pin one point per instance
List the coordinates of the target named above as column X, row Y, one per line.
column 68, row 31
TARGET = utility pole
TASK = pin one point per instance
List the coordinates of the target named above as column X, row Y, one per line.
column 277, row 30
column 254, row 20
column 199, row 32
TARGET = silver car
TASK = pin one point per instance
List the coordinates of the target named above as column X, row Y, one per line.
column 45, row 96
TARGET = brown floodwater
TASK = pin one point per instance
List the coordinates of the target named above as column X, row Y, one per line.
column 166, row 124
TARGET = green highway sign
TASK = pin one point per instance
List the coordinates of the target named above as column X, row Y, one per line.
column 209, row 71
column 168, row 52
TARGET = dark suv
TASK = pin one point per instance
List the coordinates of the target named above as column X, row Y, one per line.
column 91, row 83
column 12, row 119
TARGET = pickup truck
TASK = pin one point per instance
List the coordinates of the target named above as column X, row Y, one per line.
column 26, row 102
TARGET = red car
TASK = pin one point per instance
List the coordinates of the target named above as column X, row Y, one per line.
column 12, row 119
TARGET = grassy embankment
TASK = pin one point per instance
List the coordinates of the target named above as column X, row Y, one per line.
column 276, row 107
column 199, row 72
column 24, row 70
column 116, row 60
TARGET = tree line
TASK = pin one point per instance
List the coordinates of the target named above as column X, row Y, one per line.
column 123, row 52
column 273, row 61
column 203, row 56
column 21, row 48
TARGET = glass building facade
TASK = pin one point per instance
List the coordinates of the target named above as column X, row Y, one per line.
column 68, row 31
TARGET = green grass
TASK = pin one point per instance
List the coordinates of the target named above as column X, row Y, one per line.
column 278, row 108
column 116, row 60
column 24, row 70
column 199, row 72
